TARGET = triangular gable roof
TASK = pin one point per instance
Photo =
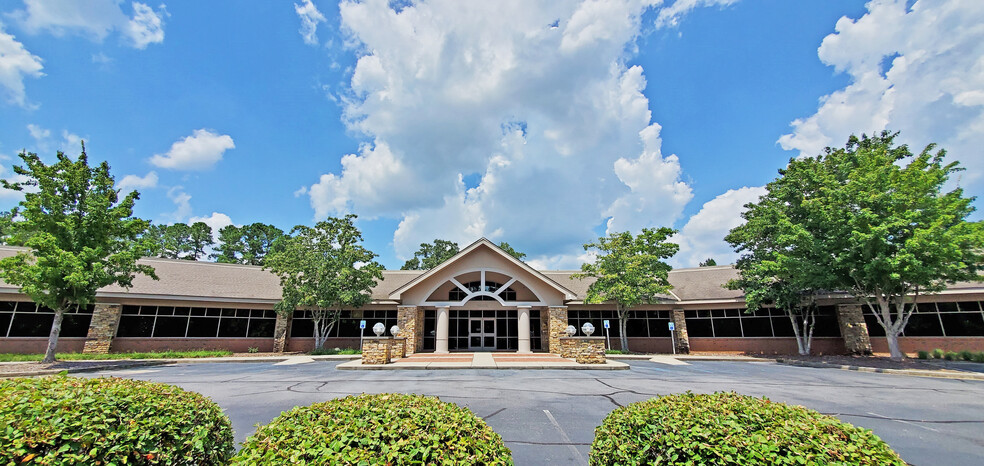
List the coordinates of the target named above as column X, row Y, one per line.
column 568, row 294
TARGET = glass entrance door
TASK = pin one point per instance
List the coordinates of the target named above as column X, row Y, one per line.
column 481, row 334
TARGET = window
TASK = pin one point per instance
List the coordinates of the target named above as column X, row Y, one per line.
column 195, row 322
column 27, row 319
column 457, row 294
column 936, row 319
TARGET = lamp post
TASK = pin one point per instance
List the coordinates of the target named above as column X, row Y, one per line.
column 379, row 329
column 587, row 328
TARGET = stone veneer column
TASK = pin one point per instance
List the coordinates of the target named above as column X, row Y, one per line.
column 524, row 329
column 853, row 329
column 102, row 328
column 441, row 339
column 280, row 331
column 680, row 332
column 410, row 319
column 557, row 316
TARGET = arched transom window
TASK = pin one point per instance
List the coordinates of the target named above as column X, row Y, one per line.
column 482, row 285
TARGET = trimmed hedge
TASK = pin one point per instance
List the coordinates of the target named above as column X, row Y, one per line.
column 376, row 429
column 71, row 420
column 731, row 429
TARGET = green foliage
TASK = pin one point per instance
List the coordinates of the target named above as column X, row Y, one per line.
column 709, row 262
column 376, row 429
column 966, row 355
column 177, row 241
column 978, row 357
column 431, row 255
column 169, row 354
column 951, row 356
column 331, row 351
column 199, row 239
column 731, row 429
column 629, row 270
column 252, row 350
column 512, row 252
column 69, row 420
column 938, row 353
column 247, row 244
column 922, row 354
column 82, row 236
column 615, row 351
column 324, row 269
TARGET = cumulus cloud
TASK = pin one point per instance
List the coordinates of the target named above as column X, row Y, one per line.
column 38, row 133
column 515, row 121
column 216, row 221
column 200, row 151
column 135, row 182
column 670, row 15
column 16, row 63
column 703, row 235
column 310, row 17
column 182, row 204
column 94, row 19
column 918, row 70
column 70, row 143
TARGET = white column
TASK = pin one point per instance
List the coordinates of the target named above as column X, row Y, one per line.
column 524, row 329
column 441, row 345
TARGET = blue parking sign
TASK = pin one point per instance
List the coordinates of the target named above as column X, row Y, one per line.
column 362, row 324
column 607, row 325
column 672, row 327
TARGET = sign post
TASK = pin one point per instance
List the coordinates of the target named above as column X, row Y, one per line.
column 608, row 340
column 673, row 337
column 362, row 332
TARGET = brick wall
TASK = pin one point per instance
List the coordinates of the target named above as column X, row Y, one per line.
column 584, row 350
column 765, row 345
column 36, row 345
column 913, row 344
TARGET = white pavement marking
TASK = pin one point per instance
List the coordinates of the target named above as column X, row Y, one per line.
column 567, row 439
column 293, row 361
column 904, row 422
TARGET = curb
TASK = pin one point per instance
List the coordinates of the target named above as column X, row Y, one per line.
column 909, row 372
column 350, row 366
column 130, row 365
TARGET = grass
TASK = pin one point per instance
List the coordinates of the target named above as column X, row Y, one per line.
column 328, row 351
column 615, row 351
column 8, row 357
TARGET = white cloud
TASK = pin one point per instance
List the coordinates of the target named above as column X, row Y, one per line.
column 505, row 120
column 669, row 16
column 10, row 194
column 16, row 63
column 38, row 133
column 200, row 151
column 135, row 182
column 146, row 27
column 310, row 17
column 182, row 204
column 918, row 70
column 703, row 235
column 70, row 143
column 216, row 221
column 94, row 19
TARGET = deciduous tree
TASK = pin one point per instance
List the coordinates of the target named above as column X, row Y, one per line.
column 629, row 271
column 324, row 269
column 82, row 236
column 431, row 255
column 512, row 252
column 247, row 244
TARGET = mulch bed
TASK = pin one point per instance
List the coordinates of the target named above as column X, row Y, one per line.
column 20, row 369
column 878, row 362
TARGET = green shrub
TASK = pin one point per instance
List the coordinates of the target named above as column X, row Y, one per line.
column 966, row 355
column 938, row 353
column 731, row 429
column 70, row 420
column 329, row 351
column 978, row 357
column 252, row 349
column 615, row 351
column 951, row 356
column 922, row 354
column 376, row 429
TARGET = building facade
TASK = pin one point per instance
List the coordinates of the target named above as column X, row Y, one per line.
column 482, row 299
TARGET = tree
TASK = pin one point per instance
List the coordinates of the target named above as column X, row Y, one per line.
column 871, row 219
column 431, row 255
column 629, row 271
column 199, row 239
column 248, row 244
column 6, row 226
column 82, row 236
column 512, row 252
column 709, row 262
column 324, row 269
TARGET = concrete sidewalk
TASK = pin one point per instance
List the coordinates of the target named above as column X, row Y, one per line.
column 431, row 361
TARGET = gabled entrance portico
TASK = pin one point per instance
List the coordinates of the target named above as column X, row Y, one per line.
column 482, row 299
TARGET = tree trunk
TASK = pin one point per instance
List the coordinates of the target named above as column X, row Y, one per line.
column 623, row 319
column 893, row 345
column 49, row 354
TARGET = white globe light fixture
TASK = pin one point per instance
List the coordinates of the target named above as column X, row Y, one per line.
column 394, row 330
column 379, row 329
column 587, row 328
column 571, row 330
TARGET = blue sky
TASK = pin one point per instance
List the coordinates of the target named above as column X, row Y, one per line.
column 544, row 125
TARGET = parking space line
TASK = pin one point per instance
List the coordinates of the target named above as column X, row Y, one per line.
column 567, row 439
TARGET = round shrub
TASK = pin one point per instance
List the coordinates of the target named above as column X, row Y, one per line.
column 376, row 429
column 70, row 420
column 731, row 429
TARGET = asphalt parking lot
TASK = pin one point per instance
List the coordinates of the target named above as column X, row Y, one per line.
column 549, row 416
